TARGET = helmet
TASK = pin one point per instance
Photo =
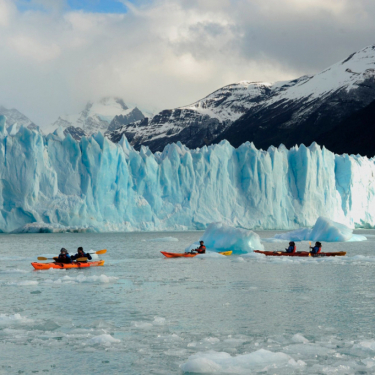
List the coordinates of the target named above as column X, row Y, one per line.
column 63, row 251
column 201, row 241
column 80, row 249
column 291, row 243
column 318, row 244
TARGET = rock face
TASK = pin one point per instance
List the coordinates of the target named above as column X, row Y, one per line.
column 76, row 132
column 354, row 135
column 120, row 120
column 98, row 116
column 197, row 124
column 292, row 112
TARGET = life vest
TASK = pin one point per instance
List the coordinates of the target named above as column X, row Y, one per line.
column 201, row 249
column 292, row 249
column 316, row 250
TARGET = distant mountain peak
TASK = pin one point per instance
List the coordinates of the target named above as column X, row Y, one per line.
column 96, row 116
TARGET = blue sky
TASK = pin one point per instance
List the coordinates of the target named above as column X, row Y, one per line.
column 92, row 6
column 98, row 6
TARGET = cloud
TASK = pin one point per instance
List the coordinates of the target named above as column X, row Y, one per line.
column 167, row 53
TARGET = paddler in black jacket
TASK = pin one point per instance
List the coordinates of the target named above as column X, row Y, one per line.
column 64, row 257
column 201, row 249
column 81, row 254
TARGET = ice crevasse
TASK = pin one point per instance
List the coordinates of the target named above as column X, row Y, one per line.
column 54, row 183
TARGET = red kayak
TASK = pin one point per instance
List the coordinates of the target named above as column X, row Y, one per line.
column 300, row 254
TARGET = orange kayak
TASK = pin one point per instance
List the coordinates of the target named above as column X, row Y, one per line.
column 189, row 255
column 46, row 266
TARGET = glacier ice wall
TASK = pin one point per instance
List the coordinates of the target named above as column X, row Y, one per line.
column 55, row 181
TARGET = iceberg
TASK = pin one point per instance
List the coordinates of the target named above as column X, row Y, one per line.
column 51, row 182
column 323, row 230
column 223, row 237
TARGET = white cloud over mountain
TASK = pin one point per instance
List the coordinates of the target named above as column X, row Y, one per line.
column 167, row 53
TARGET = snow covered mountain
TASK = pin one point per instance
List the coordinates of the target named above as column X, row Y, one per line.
column 304, row 110
column 197, row 124
column 291, row 112
column 97, row 116
column 15, row 117
column 55, row 183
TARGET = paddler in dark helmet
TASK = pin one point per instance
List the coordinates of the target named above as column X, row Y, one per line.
column 64, row 257
column 316, row 249
column 81, row 254
column 292, row 248
column 201, row 249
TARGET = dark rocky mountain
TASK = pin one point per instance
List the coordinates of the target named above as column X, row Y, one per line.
column 120, row 120
column 354, row 135
column 291, row 112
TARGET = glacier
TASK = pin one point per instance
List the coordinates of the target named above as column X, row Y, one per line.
column 55, row 183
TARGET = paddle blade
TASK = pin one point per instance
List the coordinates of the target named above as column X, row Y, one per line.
column 81, row 259
column 42, row 258
column 101, row 251
column 310, row 243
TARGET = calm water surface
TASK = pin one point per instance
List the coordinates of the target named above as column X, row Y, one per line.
column 144, row 314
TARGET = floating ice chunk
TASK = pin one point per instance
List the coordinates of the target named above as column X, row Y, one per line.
column 104, row 339
column 299, row 338
column 368, row 345
column 220, row 362
column 12, row 270
column 222, row 237
column 158, row 321
column 83, row 279
column 142, row 325
column 323, row 230
column 13, row 319
column 163, row 239
column 23, row 283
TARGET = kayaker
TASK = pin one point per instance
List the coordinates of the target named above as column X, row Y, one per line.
column 81, row 254
column 201, row 249
column 64, row 257
column 316, row 249
column 292, row 248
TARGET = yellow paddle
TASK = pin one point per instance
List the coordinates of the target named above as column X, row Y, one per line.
column 99, row 252
column 78, row 260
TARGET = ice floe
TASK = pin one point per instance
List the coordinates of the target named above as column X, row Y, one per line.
column 223, row 237
column 324, row 230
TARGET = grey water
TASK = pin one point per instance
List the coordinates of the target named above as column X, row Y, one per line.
column 145, row 314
